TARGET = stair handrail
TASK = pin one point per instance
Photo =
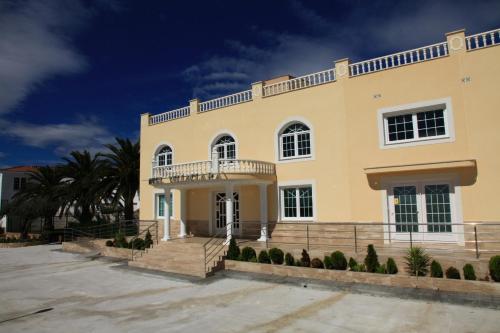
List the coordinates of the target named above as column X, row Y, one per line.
column 77, row 231
column 214, row 245
column 145, row 231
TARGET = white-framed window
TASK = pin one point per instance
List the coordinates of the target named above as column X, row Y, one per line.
column 164, row 156
column 226, row 147
column 418, row 123
column 295, row 141
column 297, row 202
column 160, row 205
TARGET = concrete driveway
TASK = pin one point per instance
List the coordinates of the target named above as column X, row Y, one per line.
column 77, row 294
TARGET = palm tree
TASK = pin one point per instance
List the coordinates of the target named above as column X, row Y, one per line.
column 123, row 174
column 83, row 191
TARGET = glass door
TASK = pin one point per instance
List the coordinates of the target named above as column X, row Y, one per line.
column 220, row 212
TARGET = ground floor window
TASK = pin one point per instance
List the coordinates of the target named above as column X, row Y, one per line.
column 160, row 205
column 297, row 202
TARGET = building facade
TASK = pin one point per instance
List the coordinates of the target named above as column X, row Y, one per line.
column 407, row 141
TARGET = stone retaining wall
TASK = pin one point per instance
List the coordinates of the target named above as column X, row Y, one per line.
column 398, row 280
column 97, row 246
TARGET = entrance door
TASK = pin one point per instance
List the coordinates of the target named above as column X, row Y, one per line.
column 220, row 212
column 424, row 209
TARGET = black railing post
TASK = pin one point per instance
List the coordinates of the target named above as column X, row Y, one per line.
column 307, row 235
column 355, row 240
column 475, row 239
column 411, row 237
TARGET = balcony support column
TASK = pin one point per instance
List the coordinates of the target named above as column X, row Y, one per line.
column 166, row 212
column 182, row 217
column 263, row 213
column 229, row 188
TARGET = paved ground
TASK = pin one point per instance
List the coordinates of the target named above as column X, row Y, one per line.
column 100, row 296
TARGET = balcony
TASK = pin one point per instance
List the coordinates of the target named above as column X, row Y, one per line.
column 210, row 170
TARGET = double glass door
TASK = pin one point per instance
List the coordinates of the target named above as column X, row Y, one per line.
column 422, row 209
column 220, row 212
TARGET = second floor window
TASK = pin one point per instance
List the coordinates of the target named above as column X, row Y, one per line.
column 415, row 126
column 295, row 141
column 164, row 156
column 226, row 147
column 17, row 183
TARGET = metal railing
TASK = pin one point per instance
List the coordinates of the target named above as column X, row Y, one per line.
column 399, row 59
column 222, row 102
column 300, row 82
column 170, row 115
column 474, row 238
column 213, row 248
column 483, row 39
column 153, row 231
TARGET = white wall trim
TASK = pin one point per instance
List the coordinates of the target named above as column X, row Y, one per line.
column 417, row 107
column 294, row 183
column 276, row 139
column 219, row 134
column 157, row 191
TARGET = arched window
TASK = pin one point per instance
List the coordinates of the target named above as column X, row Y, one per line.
column 164, row 156
column 226, row 147
column 295, row 141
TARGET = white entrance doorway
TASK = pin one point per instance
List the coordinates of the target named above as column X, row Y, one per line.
column 220, row 213
column 426, row 210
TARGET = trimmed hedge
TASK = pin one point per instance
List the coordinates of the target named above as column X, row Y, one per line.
column 109, row 243
column 469, row 273
column 264, row 257
column 452, row 273
column 247, row 254
column 305, row 260
column 371, row 260
column 391, row 266
column 317, row 263
column 338, row 261
column 276, row 256
column 352, row 263
column 436, row 269
column 289, row 259
column 233, row 252
column 328, row 262
column 494, row 266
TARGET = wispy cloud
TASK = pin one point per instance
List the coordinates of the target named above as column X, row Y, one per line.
column 86, row 133
column 359, row 29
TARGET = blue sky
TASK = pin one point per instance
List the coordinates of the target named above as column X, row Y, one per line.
column 75, row 74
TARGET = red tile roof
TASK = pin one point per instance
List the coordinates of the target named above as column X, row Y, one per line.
column 21, row 168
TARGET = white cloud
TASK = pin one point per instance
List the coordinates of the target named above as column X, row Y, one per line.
column 373, row 28
column 85, row 134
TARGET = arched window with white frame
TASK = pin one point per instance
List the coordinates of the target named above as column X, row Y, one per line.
column 164, row 156
column 295, row 141
column 226, row 147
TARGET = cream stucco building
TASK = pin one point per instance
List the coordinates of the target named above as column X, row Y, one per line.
column 408, row 142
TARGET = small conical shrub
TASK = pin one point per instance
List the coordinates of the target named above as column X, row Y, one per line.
column 248, row 254
column 289, row 259
column 452, row 273
column 233, row 252
column 328, row 262
column 469, row 273
column 494, row 266
column 276, row 256
column 371, row 260
column 148, row 240
column 338, row 261
column 436, row 269
column 317, row 263
column 305, row 260
column 120, row 240
column 352, row 263
column 391, row 266
column 264, row 257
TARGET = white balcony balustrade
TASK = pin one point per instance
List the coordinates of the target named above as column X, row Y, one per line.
column 199, row 168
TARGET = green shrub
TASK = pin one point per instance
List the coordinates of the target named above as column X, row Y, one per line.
column 371, row 260
column 276, row 255
column 339, row 261
column 148, row 240
column 317, row 263
column 381, row 269
column 233, row 252
column 305, row 261
column 452, row 273
column 417, row 261
column 328, row 262
column 352, row 263
column 289, row 259
column 494, row 266
column 391, row 266
column 469, row 273
column 264, row 257
column 109, row 242
column 247, row 254
column 359, row 268
column 120, row 240
column 253, row 260
column 436, row 270
column 137, row 244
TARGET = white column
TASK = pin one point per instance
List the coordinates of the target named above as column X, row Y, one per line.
column 229, row 212
column 182, row 217
column 263, row 212
column 166, row 219
column 215, row 161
